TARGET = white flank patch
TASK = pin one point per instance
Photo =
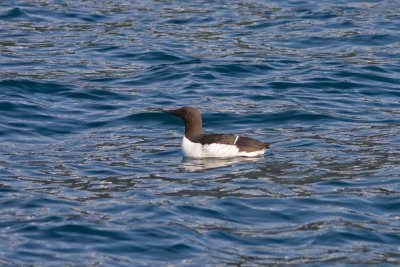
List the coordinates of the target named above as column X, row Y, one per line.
column 197, row 150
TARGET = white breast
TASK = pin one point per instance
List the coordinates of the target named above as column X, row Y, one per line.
column 197, row 150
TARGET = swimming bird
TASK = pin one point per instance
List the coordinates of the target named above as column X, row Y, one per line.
column 196, row 144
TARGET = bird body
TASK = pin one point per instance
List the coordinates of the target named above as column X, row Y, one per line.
column 214, row 150
column 196, row 144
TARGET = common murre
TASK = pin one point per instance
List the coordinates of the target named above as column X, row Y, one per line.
column 196, row 144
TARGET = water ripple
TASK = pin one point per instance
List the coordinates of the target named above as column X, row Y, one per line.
column 90, row 168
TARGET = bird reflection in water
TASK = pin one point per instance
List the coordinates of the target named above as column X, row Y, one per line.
column 198, row 165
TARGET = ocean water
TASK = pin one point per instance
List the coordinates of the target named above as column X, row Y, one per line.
column 91, row 172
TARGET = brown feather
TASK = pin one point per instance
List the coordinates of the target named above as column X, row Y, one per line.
column 249, row 145
column 243, row 143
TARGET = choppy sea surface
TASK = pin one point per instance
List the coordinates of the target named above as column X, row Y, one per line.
column 91, row 172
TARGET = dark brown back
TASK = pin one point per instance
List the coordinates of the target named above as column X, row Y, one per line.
column 245, row 144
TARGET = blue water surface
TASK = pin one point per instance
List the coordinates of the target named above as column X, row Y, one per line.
column 91, row 172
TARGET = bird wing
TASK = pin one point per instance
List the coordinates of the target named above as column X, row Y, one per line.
column 206, row 139
column 250, row 145
column 243, row 143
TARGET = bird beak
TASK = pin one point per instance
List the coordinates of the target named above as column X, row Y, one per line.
column 174, row 112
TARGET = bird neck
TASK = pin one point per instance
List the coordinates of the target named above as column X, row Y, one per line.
column 193, row 128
